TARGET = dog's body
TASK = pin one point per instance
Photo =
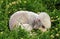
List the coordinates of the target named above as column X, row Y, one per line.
column 27, row 18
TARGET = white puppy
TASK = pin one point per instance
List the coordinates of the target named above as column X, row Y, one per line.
column 29, row 20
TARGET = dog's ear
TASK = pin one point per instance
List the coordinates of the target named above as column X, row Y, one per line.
column 37, row 19
column 45, row 19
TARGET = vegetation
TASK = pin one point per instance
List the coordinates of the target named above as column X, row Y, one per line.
column 8, row 7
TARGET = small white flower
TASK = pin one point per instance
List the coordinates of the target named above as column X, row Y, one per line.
column 25, row 1
column 1, row 32
column 52, row 36
column 57, row 34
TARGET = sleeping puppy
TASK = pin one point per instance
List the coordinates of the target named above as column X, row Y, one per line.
column 29, row 20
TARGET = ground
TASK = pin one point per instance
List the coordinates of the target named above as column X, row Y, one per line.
column 8, row 7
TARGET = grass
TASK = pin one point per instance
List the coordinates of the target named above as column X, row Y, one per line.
column 8, row 7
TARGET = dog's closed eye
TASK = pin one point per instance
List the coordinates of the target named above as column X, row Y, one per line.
column 43, row 26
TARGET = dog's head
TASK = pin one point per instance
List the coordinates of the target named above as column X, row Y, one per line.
column 45, row 20
column 42, row 22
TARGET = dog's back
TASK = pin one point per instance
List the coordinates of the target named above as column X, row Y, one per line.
column 21, row 17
